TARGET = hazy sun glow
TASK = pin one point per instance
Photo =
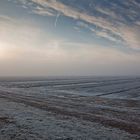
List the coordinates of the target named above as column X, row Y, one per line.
column 3, row 51
column 69, row 38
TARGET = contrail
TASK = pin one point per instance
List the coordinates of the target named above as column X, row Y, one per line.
column 58, row 15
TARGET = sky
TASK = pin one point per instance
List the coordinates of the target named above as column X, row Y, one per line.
column 69, row 37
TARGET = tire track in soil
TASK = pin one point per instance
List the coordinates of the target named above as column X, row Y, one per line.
column 128, row 126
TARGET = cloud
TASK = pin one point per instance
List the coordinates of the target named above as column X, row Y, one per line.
column 131, row 36
column 41, row 11
column 73, row 13
column 137, row 23
column 5, row 19
column 107, row 12
column 24, row 53
column 107, row 36
column 112, row 25
column 16, row 35
column 99, row 33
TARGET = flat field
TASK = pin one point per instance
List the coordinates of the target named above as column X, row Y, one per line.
column 70, row 108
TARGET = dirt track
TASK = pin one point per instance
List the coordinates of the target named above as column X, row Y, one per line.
column 76, row 109
column 93, row 109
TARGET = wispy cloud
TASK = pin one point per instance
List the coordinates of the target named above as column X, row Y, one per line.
column 100, row 33
column 131, row 36
column 74, row 13
column 41, row 11
column 114, row 22
column 57, row 17
column 23, row 52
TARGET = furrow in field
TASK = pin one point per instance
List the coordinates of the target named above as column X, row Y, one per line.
column 93, row 114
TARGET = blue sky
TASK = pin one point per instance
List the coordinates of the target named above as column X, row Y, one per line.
column 69, row 37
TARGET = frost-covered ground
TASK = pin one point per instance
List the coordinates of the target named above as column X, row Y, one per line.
column 83, row 108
